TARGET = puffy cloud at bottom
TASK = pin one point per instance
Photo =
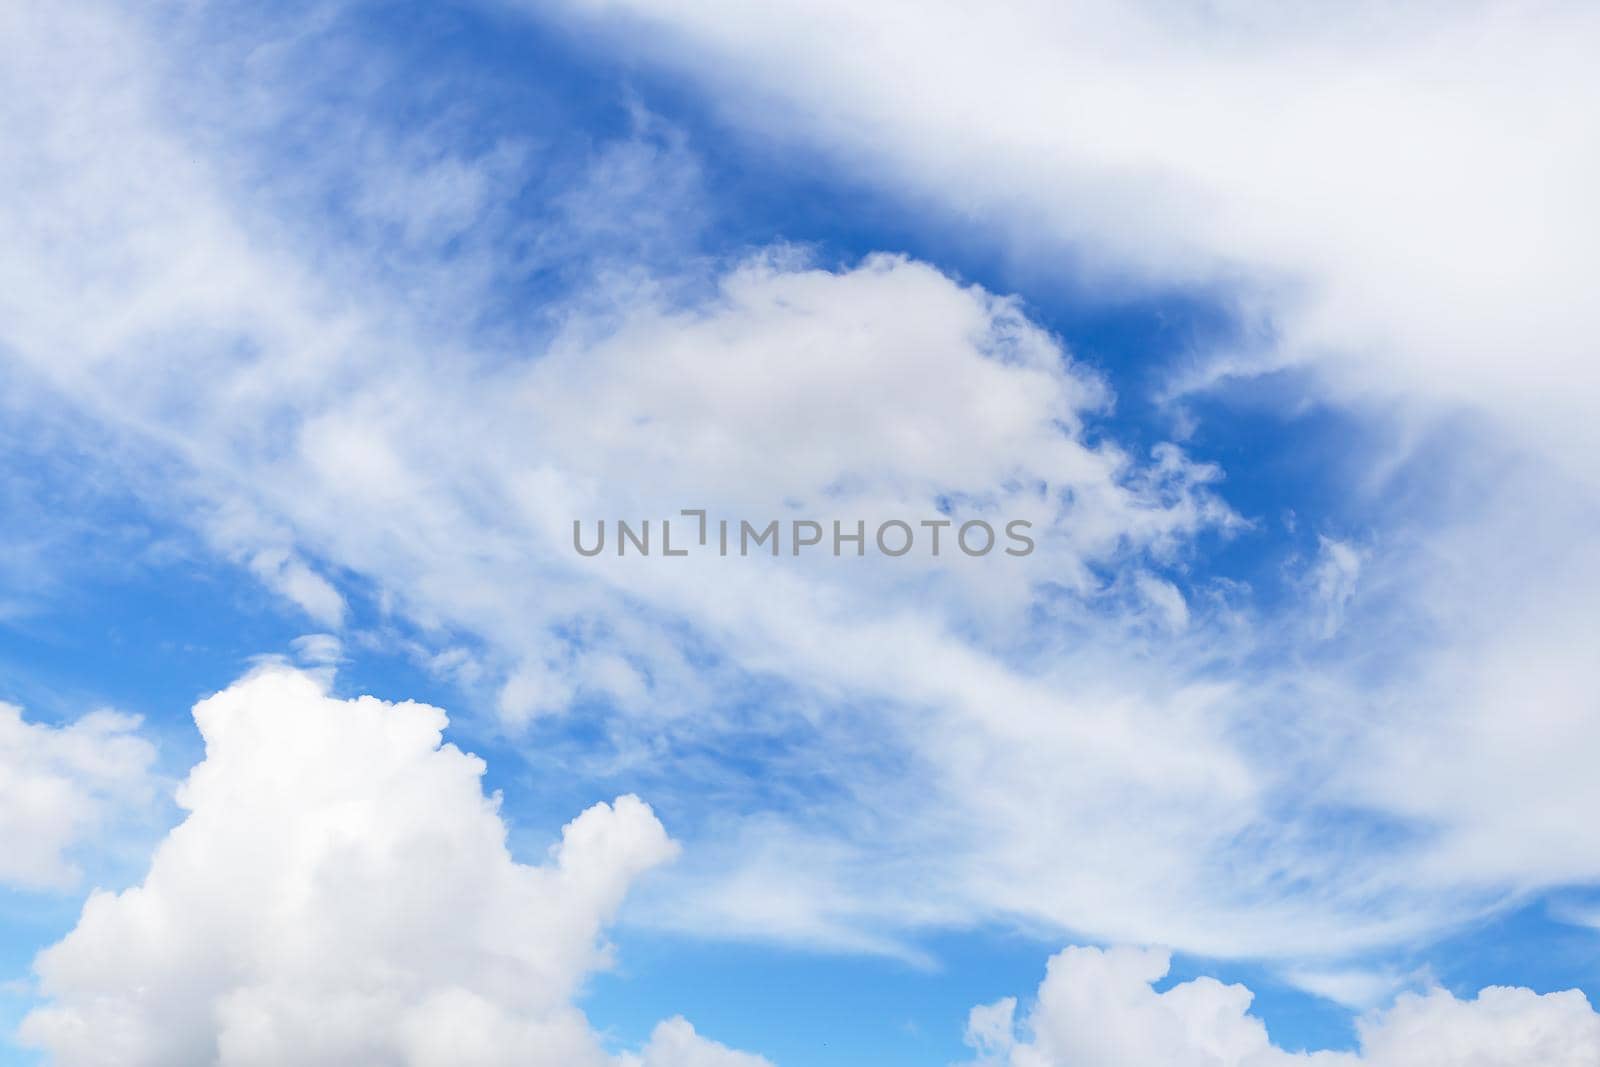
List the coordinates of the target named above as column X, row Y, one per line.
column 341, row 892
column 1099, row 1009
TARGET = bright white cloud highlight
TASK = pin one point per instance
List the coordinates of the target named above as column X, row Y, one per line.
column 1396, row 200
column 61, row 787
column 860, row 392
column 674, row 1043
column 1072, row 741
column 1403, row 190
column 340, row 892
column 1097, row 1008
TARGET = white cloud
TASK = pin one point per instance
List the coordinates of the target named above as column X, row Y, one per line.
column 318, row 650
column 1097, row 1008
column 308, row 590
column 1063, row 741
column 1488, row 739
column 1396, row 200
column 674, row 1043
column 1354, row 987
column 1167, row 600
column 62, row 787
column 859, row 392
column 1403, row 190
column 1334, row 577
column 340, row 892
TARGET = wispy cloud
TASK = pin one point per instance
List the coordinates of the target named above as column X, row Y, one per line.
column 373, row 370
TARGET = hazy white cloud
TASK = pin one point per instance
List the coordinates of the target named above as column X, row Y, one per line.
column 1401, row 190
column 283, row 573
column 1395, row 200
column 1066, row 740
column 1097, row 1008
column 1488, row 739
column 882, row 389
column 1334, row 577
column 318, row 650
column 62, row 787
column 340, row 891
column 674, row 1043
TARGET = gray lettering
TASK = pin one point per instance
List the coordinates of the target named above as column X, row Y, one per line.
column 859, row 537
column 701, row 514
column 769, row 532
column 625, row 534
column 1020, row 538
column 799, row 542
column 961, row 537
column 935, row 525
column 600, row 542
column 905, row 547
column 666, row 540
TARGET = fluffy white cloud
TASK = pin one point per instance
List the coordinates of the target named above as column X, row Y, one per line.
column 1097, row 1008
column 60, row 786
column 1065, row 740
column 1395, row 199
column 886, row 388
column 1403, row 190
column 674, row 1043
column 340, row 892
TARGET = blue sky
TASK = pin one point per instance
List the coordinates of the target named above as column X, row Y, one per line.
column 324, row 323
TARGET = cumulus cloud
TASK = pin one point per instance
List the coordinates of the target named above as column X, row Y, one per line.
column 340, row 891
column 1098, row 1008
column 61, row 786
